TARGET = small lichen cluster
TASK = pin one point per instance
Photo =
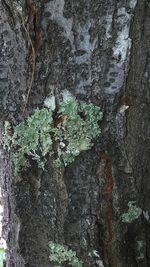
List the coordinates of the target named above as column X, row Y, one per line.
column 7, row 138
column 2, row 256
column 62, row 136
column 61, row 254
column 132, row 214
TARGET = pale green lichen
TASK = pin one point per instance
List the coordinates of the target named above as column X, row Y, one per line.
column 50, row 103
column 79, row 129
column 7, row 134
column 2, row 256
column 140, row 247
column 33, row 138
column 62, row 254
column 70, row 131
column 132, row 214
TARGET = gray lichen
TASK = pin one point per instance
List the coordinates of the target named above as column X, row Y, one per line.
column 55, row 10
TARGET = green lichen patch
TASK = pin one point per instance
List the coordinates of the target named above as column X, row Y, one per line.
column 62, row 254
column 33, row 138
column 7, row 134
column 80, row 128
column 132, row 214
column 70, row 131
column 2, row 256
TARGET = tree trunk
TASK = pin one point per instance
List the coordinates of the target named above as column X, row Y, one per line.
column 100, row 52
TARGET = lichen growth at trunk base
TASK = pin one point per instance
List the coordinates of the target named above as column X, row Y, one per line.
column 61, row 254
column 61, row 135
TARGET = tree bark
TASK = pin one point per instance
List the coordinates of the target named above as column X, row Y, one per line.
column 100, row 52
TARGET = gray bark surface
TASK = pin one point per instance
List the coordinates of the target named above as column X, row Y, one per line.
column 99, row 50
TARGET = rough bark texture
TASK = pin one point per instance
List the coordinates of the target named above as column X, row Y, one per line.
column 99, row 50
